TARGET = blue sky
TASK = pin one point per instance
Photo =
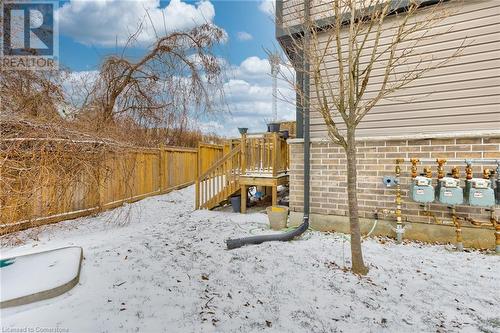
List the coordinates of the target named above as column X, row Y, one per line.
column 234, row 16
column 92, row 29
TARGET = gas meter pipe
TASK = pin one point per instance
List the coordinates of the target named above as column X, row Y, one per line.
column 458, row 229
column 399, row 223
column 493, row 223
column 454, row 160
column 456, row 220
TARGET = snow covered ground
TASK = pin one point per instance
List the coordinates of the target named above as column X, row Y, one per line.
column 157, row 265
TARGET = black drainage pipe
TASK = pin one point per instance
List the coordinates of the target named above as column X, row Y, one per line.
column 287, row 236
column 283, row 237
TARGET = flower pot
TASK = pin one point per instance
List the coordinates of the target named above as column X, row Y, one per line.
column 273, row 127
column 278, row 216
column 243, row 130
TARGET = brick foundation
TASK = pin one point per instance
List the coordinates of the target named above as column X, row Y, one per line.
column 376, row 159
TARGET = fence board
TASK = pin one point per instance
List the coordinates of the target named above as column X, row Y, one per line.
column 209, row 154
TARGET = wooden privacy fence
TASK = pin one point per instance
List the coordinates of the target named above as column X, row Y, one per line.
column 119, row 176
column 72, row 179
column 208, row 155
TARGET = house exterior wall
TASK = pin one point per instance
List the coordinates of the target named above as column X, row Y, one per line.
column 376, row 158
column 451, row 112
column 462, row 95
column 292, row 11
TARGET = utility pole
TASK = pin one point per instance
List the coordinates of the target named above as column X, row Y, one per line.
column 274, row 60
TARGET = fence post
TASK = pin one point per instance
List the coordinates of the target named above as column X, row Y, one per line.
column 197, row 181
column 160, row 166
column 100, row 183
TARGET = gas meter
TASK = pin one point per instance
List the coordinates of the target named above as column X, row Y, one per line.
column 478, row 192
column 449, row 192
column 421, row 189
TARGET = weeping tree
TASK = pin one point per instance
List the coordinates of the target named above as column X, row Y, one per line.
column 366, row 53
column 27, row 92
column 30, row 93
column 177, row 75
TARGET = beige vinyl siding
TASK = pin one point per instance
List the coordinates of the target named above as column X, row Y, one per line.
column 462, row 95
column 293, row 11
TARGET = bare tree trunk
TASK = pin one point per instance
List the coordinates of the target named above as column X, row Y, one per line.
column 362, row 45
column 358, row 266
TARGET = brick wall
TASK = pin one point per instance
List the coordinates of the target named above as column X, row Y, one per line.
column 375, row 160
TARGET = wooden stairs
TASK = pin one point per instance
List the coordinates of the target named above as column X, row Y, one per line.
column 220, row 181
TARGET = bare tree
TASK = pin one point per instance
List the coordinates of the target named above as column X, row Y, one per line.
column 31, row 93
column 178, row 74
column 364, row 39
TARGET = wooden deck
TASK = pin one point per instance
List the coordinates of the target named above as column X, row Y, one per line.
column 259, row 159
column 272, row 182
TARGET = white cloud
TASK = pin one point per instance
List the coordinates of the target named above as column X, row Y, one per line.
column 110, row 22
column 267, row 7
column 254, row 66
column 210, row 126
column 249, row 99
column 244, row 36
column 77, row 86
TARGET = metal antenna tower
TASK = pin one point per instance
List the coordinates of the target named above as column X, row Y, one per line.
column 274, row 60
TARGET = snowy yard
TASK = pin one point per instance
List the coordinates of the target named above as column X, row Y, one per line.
column 157, row 265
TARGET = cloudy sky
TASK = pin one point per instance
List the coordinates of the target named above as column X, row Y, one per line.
column 92, row 29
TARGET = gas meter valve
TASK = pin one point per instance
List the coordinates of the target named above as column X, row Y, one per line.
column 390, row 181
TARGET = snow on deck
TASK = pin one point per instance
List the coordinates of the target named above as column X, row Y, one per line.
column 157, row 265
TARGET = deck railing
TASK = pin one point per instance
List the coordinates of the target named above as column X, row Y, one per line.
column 219, row 181
column 264, row 154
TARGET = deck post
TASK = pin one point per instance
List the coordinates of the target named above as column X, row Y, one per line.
column 275, row 195
column 243, row 199
column 274, row 156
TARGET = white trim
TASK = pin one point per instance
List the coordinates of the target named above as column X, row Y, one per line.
column 420, row 136
column 256, row 174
